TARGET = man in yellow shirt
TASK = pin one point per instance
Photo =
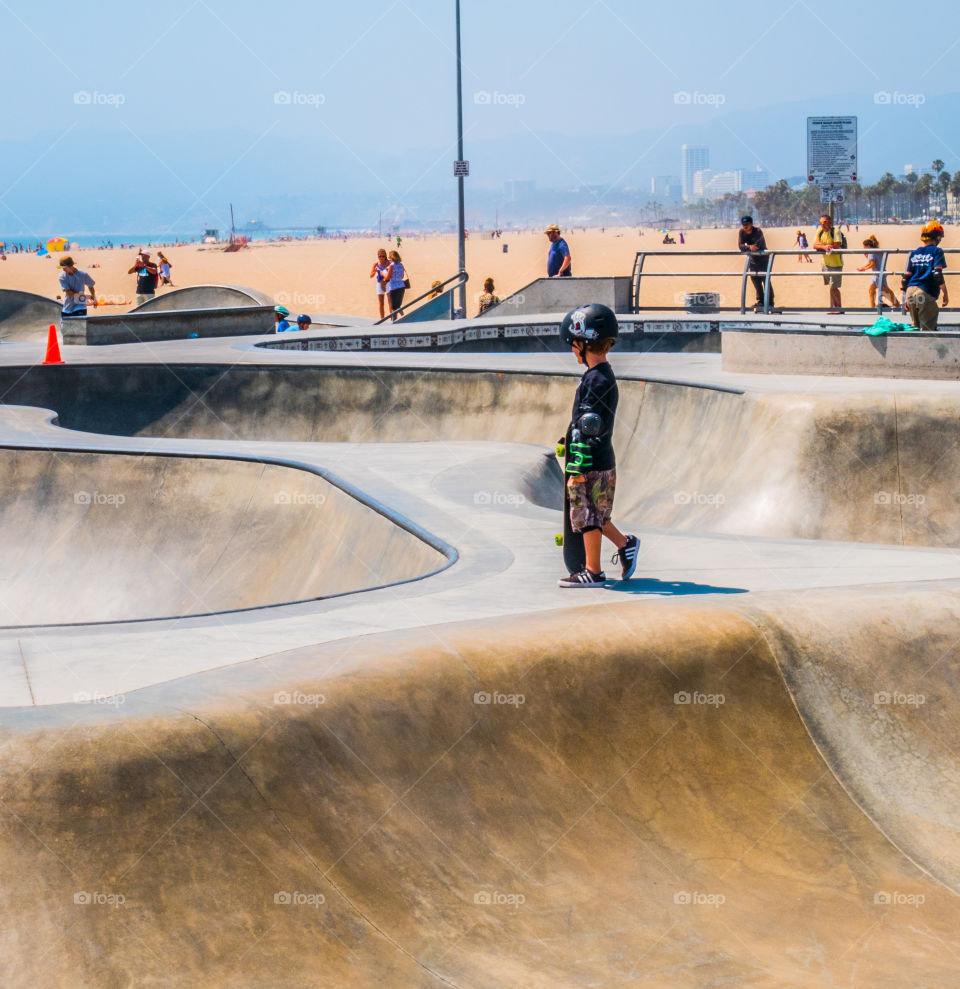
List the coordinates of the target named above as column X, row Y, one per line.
column 828, row 239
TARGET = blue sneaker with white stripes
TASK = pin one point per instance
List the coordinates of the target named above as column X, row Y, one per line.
column 627, row 557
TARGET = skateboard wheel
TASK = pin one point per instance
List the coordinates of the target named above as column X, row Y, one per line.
column 558, row 538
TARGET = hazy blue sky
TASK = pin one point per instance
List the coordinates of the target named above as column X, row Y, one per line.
column 205, row 93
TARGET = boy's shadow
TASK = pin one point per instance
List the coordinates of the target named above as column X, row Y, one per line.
column 668, row 588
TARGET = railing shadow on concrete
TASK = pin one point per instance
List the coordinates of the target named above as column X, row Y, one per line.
column 882, row 271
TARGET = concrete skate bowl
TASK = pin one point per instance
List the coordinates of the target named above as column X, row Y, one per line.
column 663, row 807
column 91, row 537
column 205, row 297
column 26, row 316
column 839, row 467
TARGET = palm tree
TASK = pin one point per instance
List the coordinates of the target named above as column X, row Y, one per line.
column 943, row 180
column 955, row 192
column 922, row 192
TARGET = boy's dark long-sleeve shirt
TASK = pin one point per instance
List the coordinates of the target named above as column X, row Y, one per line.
column 590, row 448
column 754, row 239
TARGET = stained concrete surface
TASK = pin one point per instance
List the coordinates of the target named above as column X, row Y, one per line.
column 742, row 773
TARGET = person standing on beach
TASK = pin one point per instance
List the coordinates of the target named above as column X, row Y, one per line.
column 146, row 272
column 828, row 240
column 74, row 284
column 559, row 263
column 378, row 271
column 165, row 267
column 751, row 241
column 397, row 283
column 803, row 245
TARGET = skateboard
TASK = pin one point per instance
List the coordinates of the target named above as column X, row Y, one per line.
column 574, row 554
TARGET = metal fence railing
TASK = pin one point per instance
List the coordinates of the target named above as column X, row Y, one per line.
column 681, row 269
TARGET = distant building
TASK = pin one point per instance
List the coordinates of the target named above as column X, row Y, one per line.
column 666, row 188
column 693, row 158
column 721, row 183
column 701, row 178
column 518, row 189
column 752, row 178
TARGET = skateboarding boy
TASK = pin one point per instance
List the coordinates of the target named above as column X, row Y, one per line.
column 923, row 279
column 590, row 473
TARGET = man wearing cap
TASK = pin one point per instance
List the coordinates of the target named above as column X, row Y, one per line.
column 73, row 284
column 147, row 277
column 752, row 242
column 558, row 257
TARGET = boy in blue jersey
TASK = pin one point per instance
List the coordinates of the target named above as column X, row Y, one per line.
column 923, row 279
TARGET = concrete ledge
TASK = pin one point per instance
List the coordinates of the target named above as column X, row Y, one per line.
column 842, row 352
column 562, row 294
column 141, row 327
column 205, row 297
column 509, row 335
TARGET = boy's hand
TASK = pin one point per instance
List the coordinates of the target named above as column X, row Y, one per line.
column 576, row 479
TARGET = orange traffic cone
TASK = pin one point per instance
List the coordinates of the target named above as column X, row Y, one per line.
column 53, row 347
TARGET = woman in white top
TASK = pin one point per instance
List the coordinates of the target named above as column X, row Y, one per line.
column 378, row 271
column 396, row 280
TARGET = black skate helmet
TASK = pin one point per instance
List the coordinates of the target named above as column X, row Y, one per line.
column 587, row 323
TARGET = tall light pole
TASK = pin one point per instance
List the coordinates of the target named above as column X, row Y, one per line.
column 461, row 169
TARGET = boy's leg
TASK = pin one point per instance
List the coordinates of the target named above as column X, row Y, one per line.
column 591, row 546
column 614, row 535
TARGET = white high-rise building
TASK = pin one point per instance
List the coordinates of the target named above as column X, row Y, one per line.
column 693, row 158
column 721, row 183
column 701, row 179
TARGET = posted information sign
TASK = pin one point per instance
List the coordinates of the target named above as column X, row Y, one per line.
column 831, row 150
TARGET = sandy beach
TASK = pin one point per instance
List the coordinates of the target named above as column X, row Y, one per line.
column 333, row 275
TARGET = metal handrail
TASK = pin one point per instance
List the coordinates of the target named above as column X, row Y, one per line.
column 461, row 278
column 766, row 274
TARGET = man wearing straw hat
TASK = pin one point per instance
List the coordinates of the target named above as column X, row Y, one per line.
column 558, row 258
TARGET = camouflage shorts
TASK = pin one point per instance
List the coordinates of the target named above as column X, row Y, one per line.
column 591, row 503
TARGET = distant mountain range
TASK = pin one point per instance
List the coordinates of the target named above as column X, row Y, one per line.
column 112, row 180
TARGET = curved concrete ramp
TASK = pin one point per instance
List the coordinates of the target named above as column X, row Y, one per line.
column 24, row 315
column 101, row 538
column 533, row 802
column 838, row 467
column 205, row 297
